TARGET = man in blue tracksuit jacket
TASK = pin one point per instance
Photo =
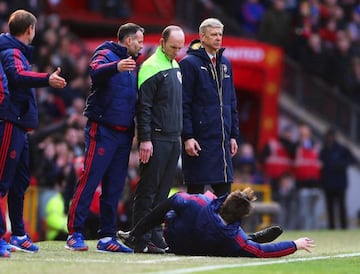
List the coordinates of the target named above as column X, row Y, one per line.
column 18, row 115
column 198, row 224
column 110, row 109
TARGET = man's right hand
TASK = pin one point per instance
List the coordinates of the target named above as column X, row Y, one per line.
column 305, row 244
column 55, row 80
column 192, row 147
column 145, row 151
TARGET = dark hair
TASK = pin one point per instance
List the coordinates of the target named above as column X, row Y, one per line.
column 237, row 205
column 127, row 30
column 167, row 31
column 19, row 22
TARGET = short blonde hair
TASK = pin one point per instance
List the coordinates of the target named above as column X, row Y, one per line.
column 210, row 23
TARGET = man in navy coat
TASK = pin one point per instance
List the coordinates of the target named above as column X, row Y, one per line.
column 210, row 118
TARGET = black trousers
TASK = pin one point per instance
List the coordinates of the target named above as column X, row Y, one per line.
column 219, row 189
column 156, row 179
column 334, row 198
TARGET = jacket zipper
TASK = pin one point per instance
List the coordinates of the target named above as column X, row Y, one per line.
column 219, row 89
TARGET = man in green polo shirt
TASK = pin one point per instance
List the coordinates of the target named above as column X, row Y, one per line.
column 159, row 125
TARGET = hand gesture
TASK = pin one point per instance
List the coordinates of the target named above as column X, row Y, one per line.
column 192, row 147
column 305, row 244
column 127, row 64
column 55, row 80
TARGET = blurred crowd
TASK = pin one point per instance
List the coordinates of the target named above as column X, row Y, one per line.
column 307, row 177
column 324, row 36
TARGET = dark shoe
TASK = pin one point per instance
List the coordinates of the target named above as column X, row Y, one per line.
column 149, row 248
column 266, row 235
column 159, row 242
column 126, row 238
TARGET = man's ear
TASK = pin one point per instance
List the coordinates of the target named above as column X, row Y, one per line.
column 201, row 36
column 29, row 29
column 162, row 41
column 128, row 40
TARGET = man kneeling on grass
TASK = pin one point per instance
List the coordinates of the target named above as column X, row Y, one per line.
column 202, row 224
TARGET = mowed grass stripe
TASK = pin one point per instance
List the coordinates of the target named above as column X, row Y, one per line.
column 266, row 262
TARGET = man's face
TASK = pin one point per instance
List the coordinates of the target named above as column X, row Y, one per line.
column 211, row 39
column 136, row 43
column 173, row 44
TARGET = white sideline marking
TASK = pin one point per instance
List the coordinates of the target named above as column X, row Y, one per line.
column 172, row 259
column 281, row 261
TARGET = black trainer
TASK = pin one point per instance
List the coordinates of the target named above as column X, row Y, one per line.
column 266, row 235
column 126, row 238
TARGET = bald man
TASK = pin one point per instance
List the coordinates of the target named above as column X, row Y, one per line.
column 159, row 116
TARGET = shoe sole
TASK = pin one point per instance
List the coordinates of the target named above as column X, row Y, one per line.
column 23, row 250
column 76, row 249
column 108, row 251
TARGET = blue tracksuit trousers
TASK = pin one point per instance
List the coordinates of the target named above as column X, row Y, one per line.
column 14, row 174
column 106, row 161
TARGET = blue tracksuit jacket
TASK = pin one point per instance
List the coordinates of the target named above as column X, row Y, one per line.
column 113, row 94
column 15, row 57
column 4, row 94
column 194, row 227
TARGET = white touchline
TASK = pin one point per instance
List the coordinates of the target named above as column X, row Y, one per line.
column 281, row 261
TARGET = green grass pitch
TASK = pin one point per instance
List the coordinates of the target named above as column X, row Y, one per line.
column 335, row 252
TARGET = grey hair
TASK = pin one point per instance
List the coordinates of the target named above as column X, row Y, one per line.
column 210, row 23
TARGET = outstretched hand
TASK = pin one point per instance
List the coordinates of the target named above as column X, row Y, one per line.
column 127, row 64
column 305, row 244
column 55, row 80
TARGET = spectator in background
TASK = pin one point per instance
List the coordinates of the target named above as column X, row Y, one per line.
column 353, row 26
column 211, row 129
column 244, row 163
column 275, row 25
column 286, row 196
column 111, row 8
column 20, row 117
column 352, row 81
column 336, row 158
column 340, row 61
column 314, row 58
column 306, row 22
column 307, row 169
column 277, row 158
column 108, row 137
column 250, row 15
column 159, row 125
column 4, row 15
column 328, row 33
column 72, row 138
column 55, row 218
